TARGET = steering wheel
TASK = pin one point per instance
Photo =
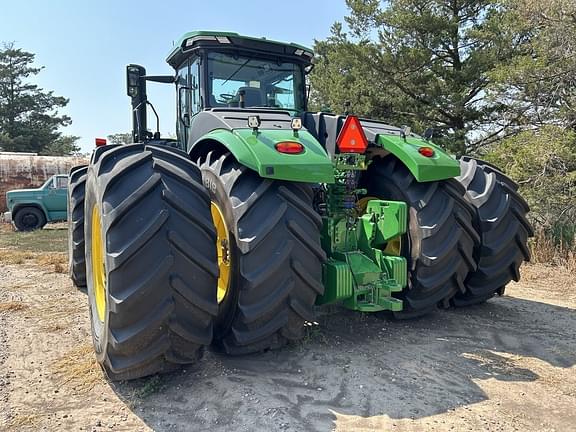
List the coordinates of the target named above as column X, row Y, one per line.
column 225, row 98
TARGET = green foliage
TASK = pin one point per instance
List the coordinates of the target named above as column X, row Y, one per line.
column 541, row 79
column 64, row 145
column 419, row 62
column 543, row 163
column 29, row 119
column 120, row 138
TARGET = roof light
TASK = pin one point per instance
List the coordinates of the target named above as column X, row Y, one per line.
column 100, row 142
column 299, row 52
column 351, row 138
column 223, row 39
column 289, row 147
column 426, row 151
column 254, row 121
column 190, row 42
column 296, row 123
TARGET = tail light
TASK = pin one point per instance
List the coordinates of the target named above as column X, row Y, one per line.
column 426, row 151
column 351, row 138
column 289, row 147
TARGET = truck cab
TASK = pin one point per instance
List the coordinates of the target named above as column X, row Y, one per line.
column 31, row 209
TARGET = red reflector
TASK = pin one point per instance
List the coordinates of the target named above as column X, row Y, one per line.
column 289, row 147
column 351, row 138
column 426, row 151
column 100, row 142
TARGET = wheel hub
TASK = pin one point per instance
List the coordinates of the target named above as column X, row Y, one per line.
column 98, row 266
column 223, row 247
column 30, row 220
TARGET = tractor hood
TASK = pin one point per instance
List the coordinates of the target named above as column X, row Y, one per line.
column 256, row 147
column 235, row 119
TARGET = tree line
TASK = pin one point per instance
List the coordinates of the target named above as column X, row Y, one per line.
column 29, row 116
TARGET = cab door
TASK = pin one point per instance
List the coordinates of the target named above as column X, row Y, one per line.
column 188, row 95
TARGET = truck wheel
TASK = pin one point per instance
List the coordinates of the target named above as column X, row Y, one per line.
column 503, row 227
column 76, row 255
column 29, row 219
column 439, row 245
column 150, row 260
column 270, row 256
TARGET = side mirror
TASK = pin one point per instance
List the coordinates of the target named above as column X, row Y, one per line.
column 133, row 75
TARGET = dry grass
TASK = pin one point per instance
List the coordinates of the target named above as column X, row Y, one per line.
column 12, row 306
column 78, row 369
column 52, row 258
column 24, row 421
column 57, row 260
column 10, row 256
column 54, row 328
column 545, row 251
column 55, row 316
column 50, row 239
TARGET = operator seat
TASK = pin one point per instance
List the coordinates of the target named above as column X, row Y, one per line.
column 252, row 96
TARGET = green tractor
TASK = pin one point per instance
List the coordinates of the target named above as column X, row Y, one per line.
column 231, row 234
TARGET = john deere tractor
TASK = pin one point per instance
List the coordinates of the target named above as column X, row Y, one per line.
column 231, row 234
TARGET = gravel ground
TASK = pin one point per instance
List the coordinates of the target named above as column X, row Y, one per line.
column 503, row 366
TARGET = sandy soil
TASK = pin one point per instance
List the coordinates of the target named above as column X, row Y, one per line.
column 503, row 366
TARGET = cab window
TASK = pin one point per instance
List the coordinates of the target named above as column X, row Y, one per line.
column 61, row 182
column 257, row 82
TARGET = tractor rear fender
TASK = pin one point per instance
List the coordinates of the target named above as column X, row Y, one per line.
column 439, row 166
column 384, row 140
column 256, row 150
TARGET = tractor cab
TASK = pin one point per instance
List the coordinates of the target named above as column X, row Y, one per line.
column 222, row 70
column 219, row 70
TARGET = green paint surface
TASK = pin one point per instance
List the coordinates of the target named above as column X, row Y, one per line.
column 441, row 166
column 257, row 151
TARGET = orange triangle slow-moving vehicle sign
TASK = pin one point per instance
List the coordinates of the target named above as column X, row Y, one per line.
column 351, row 138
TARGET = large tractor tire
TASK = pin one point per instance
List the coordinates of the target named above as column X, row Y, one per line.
column 150, row 260
column 439, row 245
column 503, row 227
column 76, row 255
column 270, row 256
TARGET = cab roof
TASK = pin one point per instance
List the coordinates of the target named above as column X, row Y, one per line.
column 229, row 40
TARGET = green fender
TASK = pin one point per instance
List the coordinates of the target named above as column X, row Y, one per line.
column 257, row 151
column 440, row 166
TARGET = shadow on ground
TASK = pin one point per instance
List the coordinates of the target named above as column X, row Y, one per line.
column 360, row 365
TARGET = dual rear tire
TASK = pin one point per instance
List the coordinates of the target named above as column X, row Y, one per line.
column 151, row 253
column 500, row 218
column 467, row 237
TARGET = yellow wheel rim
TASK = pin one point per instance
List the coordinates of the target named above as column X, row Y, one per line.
column 394, row 246
column 223, row 247
column 98, row 269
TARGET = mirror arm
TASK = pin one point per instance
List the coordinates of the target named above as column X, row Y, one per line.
column 167, row 79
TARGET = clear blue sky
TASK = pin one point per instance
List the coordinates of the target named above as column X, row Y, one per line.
column 85, row 45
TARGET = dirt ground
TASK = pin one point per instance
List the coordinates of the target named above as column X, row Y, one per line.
column 503, row 366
